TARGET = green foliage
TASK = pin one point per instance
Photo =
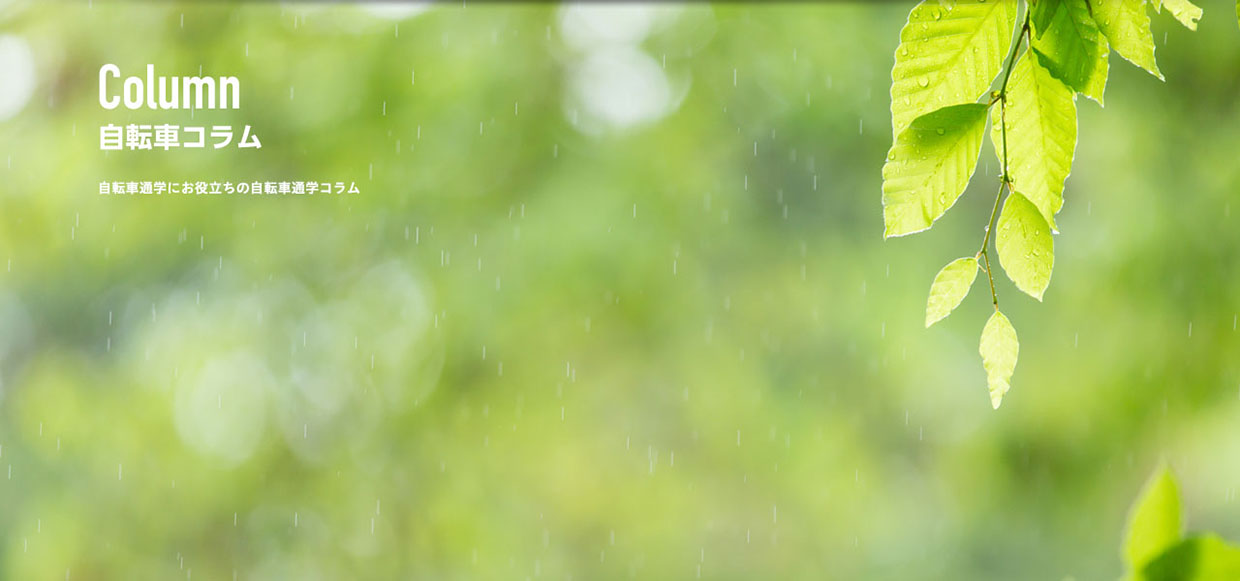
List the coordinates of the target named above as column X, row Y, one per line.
column 950, row 53
column 950, row 287
column 1186, row 12
column 1154, row 522
column 1041, row 13
column 1127, row 27
column 1074, row 49
column 1155, row 548
column 999, row 349
column 929, row 166
column 1197, row 558
column 675, row 375
column 1026, row 250
column 1041, row 128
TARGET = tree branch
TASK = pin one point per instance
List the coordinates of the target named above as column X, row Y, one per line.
column 1005, row 180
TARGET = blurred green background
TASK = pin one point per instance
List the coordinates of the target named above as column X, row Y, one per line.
column 613, row 303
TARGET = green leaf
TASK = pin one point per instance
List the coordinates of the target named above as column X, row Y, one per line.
column 1026, row 249
column 999, row 350
column 1074, row 50
column 949, row 288
column 1040, row 116
column 1154, row 521
column 1237, row 10
column 1186, row 12
column 929, row 166
column 949, row 54
column 1197, row 558
column 1127, row 28
column 1040, row 14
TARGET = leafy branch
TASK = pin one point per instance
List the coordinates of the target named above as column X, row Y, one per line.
column 1005, row 180
column 950, row 55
